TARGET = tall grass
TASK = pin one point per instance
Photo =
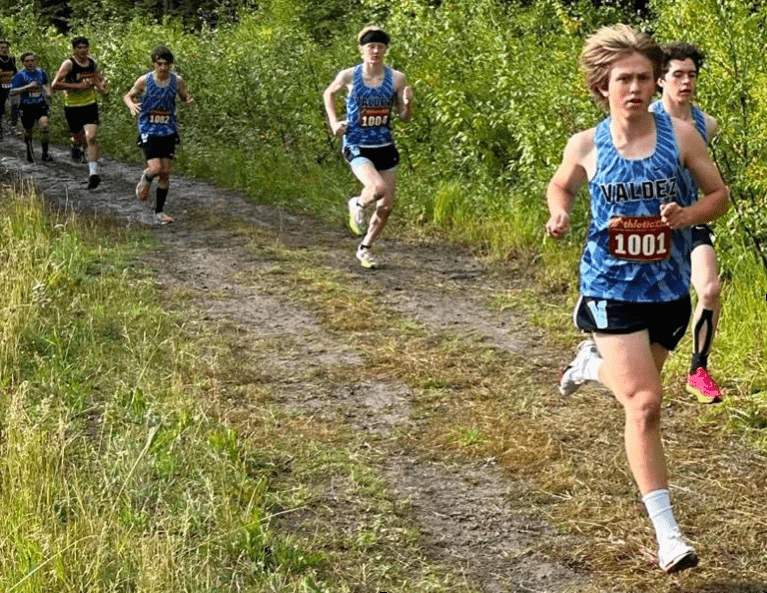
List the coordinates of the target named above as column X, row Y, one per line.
column 114, row 479
column 140, row 452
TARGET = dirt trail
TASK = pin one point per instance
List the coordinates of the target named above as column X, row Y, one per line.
column 461, row 509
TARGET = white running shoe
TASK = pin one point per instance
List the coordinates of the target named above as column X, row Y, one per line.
column 366, row 258
column 572, row 375
column 358, row 221
column 142, row 189
column 675, row 555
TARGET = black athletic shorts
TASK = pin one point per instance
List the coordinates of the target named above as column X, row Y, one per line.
column 158, row 147
column 702, row 235
column 31, row 113
column 666, row 322
column 78, row 117
column 384, row 158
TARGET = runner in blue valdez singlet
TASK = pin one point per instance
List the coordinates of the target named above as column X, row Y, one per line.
column 635, row 269
column 682, row 63
column 636, row 188
column 158, row 108
column 369, row 111
column 373, row 91
column 157, row 125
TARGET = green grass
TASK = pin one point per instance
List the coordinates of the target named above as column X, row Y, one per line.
column 149, row 452
column 141, row 454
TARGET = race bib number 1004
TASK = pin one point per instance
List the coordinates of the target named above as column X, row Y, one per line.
column 374, row 116
column 640, row 238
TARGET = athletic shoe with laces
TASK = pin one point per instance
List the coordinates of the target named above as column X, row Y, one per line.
column 676, row 555
column 572, row 375
column 358, row 222
column 142, row 189
column 162, row 218
column 366, row 258
column 702, row 385
column 93, row 181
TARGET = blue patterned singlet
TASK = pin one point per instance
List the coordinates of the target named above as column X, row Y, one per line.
column 636, row 188
column 697, row 116
column 369, row 111
column 158, row 107
column 700, row 125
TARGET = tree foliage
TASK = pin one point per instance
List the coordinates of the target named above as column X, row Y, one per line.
column 732, row 88
column 497, row 85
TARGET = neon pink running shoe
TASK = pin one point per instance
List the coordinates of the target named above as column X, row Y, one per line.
column 702, row 385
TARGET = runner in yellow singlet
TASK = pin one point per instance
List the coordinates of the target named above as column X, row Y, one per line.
column 81, row 81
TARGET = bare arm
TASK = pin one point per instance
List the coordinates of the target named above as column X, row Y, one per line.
column 100, row 81
column 712, row 126
column 568, row 179
column 716, row 195
column 183, row 93
column 58, row 81
column 130, row 97
column 342, row 81
column 17, row 90
column 404, row 97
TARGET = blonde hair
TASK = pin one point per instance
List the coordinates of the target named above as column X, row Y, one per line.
column 607, row 46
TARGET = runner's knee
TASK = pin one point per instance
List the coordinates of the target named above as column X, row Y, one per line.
column 383, row 209
column 378, row 188
column 709, row 292
column 642, row 409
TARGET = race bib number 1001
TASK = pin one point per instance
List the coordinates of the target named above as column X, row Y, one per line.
column 640, row 238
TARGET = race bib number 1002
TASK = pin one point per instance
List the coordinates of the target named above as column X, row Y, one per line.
column 160, row 117
column 640, row 238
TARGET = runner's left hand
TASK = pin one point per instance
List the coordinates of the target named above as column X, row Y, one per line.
column 674, row 215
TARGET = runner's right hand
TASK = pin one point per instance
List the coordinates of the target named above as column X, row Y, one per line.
column 340, row 128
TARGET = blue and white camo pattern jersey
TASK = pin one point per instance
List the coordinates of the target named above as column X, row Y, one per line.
column 700, row 125
column 697, row 116
column 158, row 107
column 635, row 187
column 369, row 111
column 32, row 96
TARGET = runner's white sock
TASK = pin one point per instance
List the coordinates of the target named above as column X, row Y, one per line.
column 658, row 505
column 93, row 167
column 591, row 370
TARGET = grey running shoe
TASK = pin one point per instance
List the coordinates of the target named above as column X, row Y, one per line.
column 676, row 555
column 366, row 258
column 162, row 218
column 358, row 222
column 572, row 375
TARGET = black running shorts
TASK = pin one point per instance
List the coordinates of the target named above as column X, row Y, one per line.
column 78, row 117
column 31, row 113
column 666, row 322
column 702, row 235
column 384, row 158
column 158, row 147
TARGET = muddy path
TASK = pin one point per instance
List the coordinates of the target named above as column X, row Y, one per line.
column 462, row 510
